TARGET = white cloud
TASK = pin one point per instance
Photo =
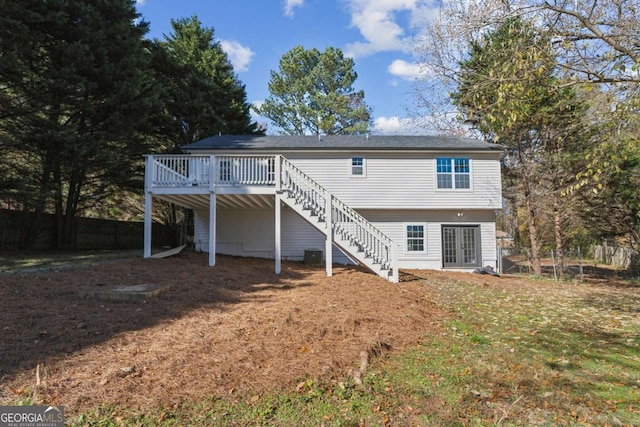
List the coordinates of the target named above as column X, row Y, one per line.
column 408, row 71
column 402, row 126
column 254, row 114
column 140, row 2
column 387, row 125
column 239, row 55
column 377, row 21
column 262, row 122
column 289, row 5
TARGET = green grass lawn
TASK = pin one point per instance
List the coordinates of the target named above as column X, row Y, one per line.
column 34, row 261
column 518, row 352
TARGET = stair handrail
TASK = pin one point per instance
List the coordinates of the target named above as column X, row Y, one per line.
column 303, row 188
column 373, row 242
column 368, row 237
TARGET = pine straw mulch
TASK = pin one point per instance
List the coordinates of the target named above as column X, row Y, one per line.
column 227, row 331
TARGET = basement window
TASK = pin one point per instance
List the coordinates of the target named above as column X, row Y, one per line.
column 415, row 238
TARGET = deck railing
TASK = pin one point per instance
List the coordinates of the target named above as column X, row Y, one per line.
column 246, row 170
column 174, row 170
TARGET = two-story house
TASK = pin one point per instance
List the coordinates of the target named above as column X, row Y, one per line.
column 386, row 202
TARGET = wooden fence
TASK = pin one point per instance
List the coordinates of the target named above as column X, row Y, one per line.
column 615, row 255
column 90, row 233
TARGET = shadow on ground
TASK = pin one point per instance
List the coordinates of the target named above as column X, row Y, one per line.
column 44, row 317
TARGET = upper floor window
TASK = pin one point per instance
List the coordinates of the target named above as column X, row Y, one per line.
column 453, row 172
column 357, row 166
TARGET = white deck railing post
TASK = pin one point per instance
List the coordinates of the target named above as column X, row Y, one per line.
column 212, row 173
column 278, row 173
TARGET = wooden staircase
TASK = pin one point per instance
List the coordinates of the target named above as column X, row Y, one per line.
column 346, row 228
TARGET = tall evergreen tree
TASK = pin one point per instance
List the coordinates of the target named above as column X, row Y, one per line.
column 202, row 93
column 76, row 96
column 313, row 93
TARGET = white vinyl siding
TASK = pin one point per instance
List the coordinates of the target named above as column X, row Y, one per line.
column 251, row 233
column 402, row 181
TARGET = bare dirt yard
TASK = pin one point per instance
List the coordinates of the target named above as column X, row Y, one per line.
column 489, row 349
column 216, row 332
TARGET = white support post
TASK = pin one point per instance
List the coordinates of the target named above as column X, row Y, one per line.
column 148, row 223
column 394, row 264
column 278, row 248
column 148, row 206
column 329, row 240
column 212, row 229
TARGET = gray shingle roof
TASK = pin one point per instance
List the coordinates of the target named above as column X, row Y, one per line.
column 341, row 143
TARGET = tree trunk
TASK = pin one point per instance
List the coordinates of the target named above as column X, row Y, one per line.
column 58, row 202
column 71, row 208
column 39, row 207
column 557, row 229
column 533, row 232
column 514, row 225
column 529, row 200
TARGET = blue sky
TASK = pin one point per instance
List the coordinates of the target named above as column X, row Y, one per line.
column 378, row 34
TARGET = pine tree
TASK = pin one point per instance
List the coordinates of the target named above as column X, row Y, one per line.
column 313, row 93
column 203, row 95
column 76, row 99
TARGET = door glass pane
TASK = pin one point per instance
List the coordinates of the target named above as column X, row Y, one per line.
column 449, row 245
column 469, row 253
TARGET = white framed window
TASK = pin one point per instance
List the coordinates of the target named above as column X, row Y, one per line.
column 415, row 238
column 358, row 166
column 453, row 173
